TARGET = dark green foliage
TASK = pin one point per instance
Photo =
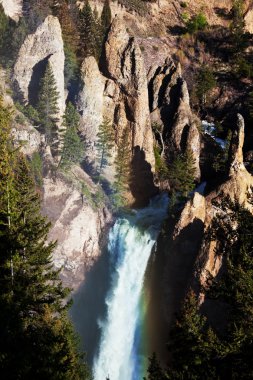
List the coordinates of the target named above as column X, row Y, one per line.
column 205, row 83
column 36, row 338
column 12, row 40
column 123, row 172
column 181, row 173
column 237, row 27
column 73, row 148
column 71, row 66
column 220, row 156
column 4, row 23
column 87, row 30
column 105, row 139
column 106, row 16
column 30, row 112
column 154, row 369
column 243, row 68
column 196, row 23
column 233, row 229
column 191, row 344
column 70, row 38
column 36, row 166
column 160, row 165
column 48, row 106
column 199, row 352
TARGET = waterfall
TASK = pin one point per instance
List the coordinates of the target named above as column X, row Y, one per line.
column 131, row 240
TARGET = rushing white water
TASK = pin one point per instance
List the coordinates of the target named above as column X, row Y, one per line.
column 130, row 243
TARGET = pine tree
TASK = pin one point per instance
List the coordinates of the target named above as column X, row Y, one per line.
column 87, row 31
column 122, row 163
column 69, row 28
column 4, row 22
column 181, row 173
column 205, row 83
column 36, row 338
column 73, row 149
column 105, row 138
column 48, row 106
column 191, row 344
column 106, row 16
column 154, row 369
column 237, row 26
column 232, row 229
column 70, row 38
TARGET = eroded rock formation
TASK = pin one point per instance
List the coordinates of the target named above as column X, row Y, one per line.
column 45, row 45
column 119, row 93
column 170, row 108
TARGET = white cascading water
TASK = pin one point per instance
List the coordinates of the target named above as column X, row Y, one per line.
column 131, row 240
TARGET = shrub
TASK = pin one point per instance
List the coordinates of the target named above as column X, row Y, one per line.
column 183, row 4
column 196, row 23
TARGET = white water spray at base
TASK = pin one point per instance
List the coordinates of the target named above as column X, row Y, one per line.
column 130, row 243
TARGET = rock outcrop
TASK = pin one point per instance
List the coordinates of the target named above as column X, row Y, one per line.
column 237, row 187
column 119, row 92
column 91, row 102
column 189, row 256
column 12, row 8
column 76, row 225
column 45, row 45
column 170, row 108
column 27, row 137
column 124, row 65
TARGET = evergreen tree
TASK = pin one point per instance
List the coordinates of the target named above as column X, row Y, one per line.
column 198, row 351
column 205, row 83
column 4, row 23
column 69, row 28
column 154, row 369
column 237, row 26
column 73, row 149
column 105, row 138
column 106, row 16
column 70, row 38
column 48, row 106
column 87, row 31
column 232, row 229
column 191, row 344
column 36, row 338
column 122, row 163
column 181, row 173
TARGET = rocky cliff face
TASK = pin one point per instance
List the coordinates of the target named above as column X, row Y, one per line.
column 170, row 108
column 77, row 226
column 189, row 257
column 119, row 92
column 45, row 45
column 201, row 210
